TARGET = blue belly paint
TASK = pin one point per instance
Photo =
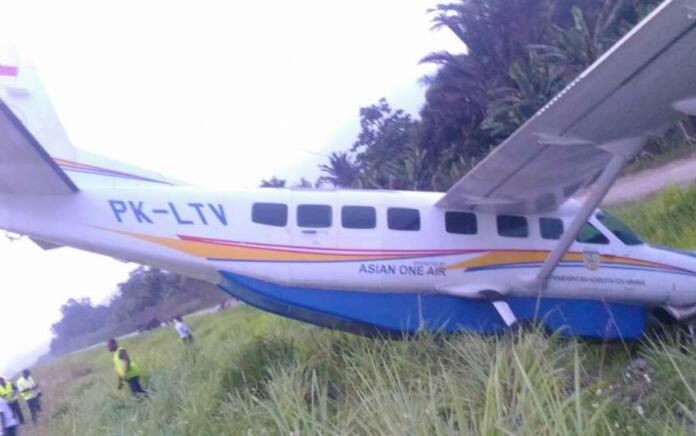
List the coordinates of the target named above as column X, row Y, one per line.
column 370, row 313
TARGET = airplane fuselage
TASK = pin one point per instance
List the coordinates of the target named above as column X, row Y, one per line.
column 366, row 242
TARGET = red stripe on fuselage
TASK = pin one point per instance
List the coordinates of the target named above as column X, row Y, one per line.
column 8, row 70
column 277, row 247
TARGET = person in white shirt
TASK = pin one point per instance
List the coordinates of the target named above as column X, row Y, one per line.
column 8, row 421
column 183, row 330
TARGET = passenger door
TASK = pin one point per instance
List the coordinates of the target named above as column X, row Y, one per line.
column 314, row 236
column 360, row 238
column 266, row 236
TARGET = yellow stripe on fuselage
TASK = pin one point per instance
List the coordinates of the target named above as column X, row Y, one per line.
column 221, row 251
column 494, row 258
column 211, row 250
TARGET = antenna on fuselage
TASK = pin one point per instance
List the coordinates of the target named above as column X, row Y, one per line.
column 12, row 236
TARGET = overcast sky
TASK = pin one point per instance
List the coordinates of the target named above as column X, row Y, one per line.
column 211, row 92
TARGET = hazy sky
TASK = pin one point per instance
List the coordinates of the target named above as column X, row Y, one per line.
column 220, row 93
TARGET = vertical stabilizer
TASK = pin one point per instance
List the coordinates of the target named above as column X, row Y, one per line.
column 24, row 95
column 22, row 92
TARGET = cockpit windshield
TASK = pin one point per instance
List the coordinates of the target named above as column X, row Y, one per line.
column 619, row 229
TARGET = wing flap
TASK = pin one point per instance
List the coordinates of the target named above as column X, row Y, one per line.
column 630, row 92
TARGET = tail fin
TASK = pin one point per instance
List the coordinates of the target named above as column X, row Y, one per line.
column 29, row 118
column 26, row 98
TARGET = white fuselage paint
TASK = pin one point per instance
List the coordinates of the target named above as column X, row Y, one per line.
column 135, row 224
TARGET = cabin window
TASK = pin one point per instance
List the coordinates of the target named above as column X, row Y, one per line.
column 270, row 214
column 512, row 226
column 461, row 223
column 589, row 234
column 550, row 228
column 358, row 217
column 314, row 215
column 619, row 229
column 399, row 218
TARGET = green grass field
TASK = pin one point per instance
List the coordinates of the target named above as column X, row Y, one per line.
column 254, row 373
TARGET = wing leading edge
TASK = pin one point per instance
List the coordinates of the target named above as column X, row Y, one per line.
column 633, row 92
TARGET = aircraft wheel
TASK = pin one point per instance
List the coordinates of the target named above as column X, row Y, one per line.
column 662, row 325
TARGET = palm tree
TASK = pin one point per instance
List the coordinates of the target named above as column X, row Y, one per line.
column 273, row 182
column 519, row 53
column 533, row 83
column 494, row 35
column 304, row 184
column 342, row 171
column 595, row 26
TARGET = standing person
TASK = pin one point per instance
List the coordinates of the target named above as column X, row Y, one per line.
column 126, row 369
column 183, row 330
column 29, row 390
column 9, row 393
column 8, row 422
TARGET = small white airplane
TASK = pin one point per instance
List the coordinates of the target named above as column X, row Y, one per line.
column 505, row 246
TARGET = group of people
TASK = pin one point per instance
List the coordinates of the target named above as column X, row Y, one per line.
column 27, row 389
column 127, row 370
column 11, row 415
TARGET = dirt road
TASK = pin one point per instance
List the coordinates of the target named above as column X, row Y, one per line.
column 636, row 186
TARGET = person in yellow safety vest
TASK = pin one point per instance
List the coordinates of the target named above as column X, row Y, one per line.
column 125, row 368
column 8, row 392
column 29, row 390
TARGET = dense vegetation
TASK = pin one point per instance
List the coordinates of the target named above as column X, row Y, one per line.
column 516, row 55
column 254, row 373
column 667, row 219
column 147, row 294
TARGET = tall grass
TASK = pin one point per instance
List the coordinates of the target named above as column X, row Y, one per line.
column 668, row 218
column 254, row 373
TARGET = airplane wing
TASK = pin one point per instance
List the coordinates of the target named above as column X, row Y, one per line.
column 632, row 93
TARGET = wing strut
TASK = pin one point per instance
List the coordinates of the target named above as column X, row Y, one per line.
column 622, row 152
column 505, row 312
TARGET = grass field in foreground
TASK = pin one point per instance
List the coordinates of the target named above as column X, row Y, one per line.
column 254, row 373
column 668, row 218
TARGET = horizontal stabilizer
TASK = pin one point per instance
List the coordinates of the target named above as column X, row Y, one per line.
column 30, row 133
column 45, row 245
column 25, row 167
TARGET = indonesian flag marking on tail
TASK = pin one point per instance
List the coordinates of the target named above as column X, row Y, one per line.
column 11, row 82
column 8, row 70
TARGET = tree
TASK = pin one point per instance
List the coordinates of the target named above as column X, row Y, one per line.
column 516, row 55
column 385, row 154
column 519, row 54
column 342, row 170
column 384, row 145
column 148, row 291
column 145, row 287
column 273, row 182
column 495, row 35
column 534, row 82
column 78, row 317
